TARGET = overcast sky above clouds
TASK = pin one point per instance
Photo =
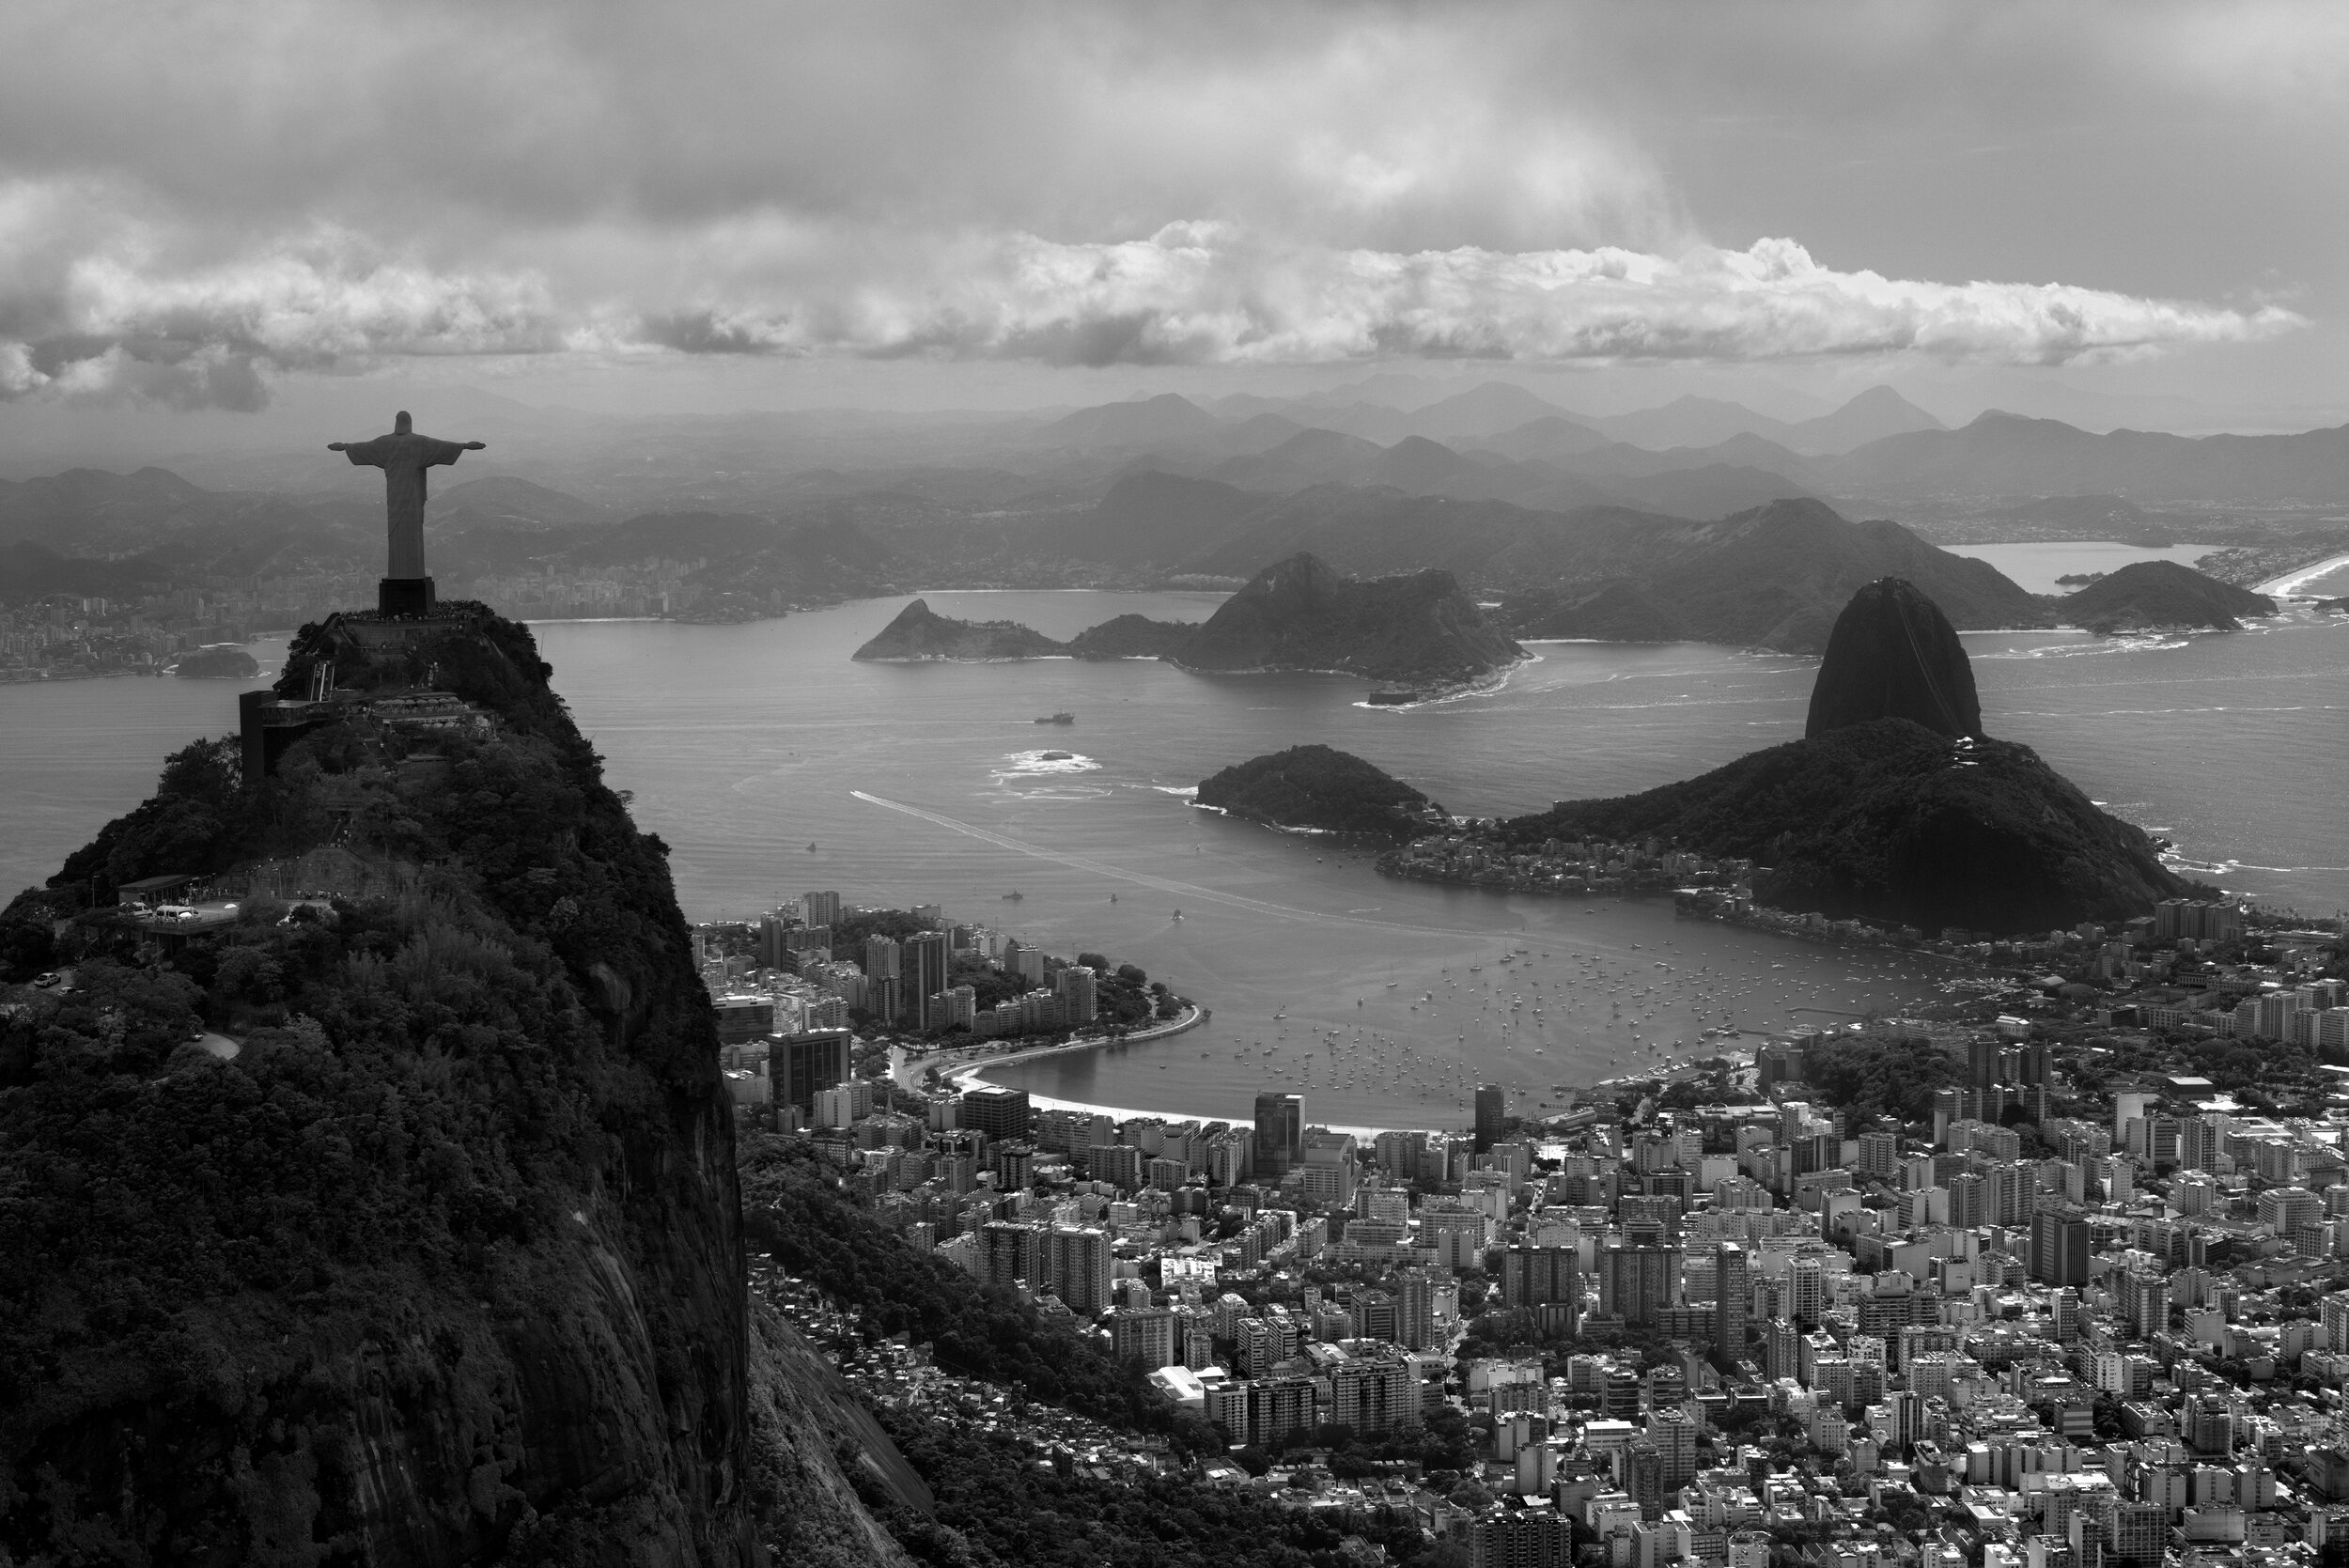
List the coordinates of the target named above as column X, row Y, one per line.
column 198, row 201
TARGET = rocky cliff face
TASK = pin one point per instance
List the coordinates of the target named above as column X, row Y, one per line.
column 442, row 1263
column 1894, row 655
column 1303, row 614
column 920, row 632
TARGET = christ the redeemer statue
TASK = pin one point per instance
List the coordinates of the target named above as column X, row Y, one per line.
column 403, row 456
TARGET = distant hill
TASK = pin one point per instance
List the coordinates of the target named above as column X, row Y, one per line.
column 1714, row 491
column 1774, row 577
column 1133, row 637
column 1302, row 614
column 1152, row 519
column 511, row 502
column 1689, row 420
column 2002, row 454
column 29, row 570
column 1552, row 437
column 1481, row 410
column 1311, row 456
column 2146, row 594
column 82, row 505
column 1877, row 412
column 1168, row 417
column 1319, row 789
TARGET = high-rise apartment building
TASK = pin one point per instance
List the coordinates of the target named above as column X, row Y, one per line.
column 1263, row 1410
column 997, row 1111
column 1375, row 1395
column 1280, row 1134
column 1144, row 1336
column 797, row 1066
column 1732, row 1292
column 1531, row 1276
column 1415, row 1309
column 1676, row 1438
column 1636, row 1284
column 2059, row 1247
column 1078, row 990
column 819, row 909
column 1080, row 1269
column 1492, row 1105
column 922, row 963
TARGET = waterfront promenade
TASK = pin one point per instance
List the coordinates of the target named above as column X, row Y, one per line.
column 958, row 1068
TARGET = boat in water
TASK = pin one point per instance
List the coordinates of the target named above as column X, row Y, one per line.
column 1061, row 717
column 1014, row 896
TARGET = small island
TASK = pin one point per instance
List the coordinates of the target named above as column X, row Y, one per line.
column 220, row 661
column 1320, row 789
column 2147, row 596
column 919, row 634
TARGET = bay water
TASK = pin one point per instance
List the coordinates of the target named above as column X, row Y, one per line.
column 773, row 764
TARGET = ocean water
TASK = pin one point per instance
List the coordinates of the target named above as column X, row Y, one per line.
column 773, row 764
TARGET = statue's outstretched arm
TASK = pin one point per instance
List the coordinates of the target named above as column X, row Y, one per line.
column 337, row 445
column 475, row 445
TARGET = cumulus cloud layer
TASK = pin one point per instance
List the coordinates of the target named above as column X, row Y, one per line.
column 1054, row 182
column 1204, row 293
column 1198, row 292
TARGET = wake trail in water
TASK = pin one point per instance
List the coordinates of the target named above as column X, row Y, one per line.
column 1186, row 890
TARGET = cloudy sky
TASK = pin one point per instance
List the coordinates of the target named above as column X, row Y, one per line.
column 213, row 206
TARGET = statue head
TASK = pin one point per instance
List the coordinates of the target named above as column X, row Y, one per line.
column 401, row 424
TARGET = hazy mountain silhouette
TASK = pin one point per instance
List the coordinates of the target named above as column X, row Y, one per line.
column 2001, row 454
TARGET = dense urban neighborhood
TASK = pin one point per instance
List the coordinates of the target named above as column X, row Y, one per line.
column 2055, row 1280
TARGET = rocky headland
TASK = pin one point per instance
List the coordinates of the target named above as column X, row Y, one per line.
column 1299, row 615
column 1320, row 789
column 1303, row 614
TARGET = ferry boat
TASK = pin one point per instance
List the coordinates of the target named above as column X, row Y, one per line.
column 1062, row 718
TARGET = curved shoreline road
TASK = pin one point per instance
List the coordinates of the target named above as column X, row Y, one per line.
column 907, row 1069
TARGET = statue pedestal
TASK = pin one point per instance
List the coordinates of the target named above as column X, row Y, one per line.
column 405, row 596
